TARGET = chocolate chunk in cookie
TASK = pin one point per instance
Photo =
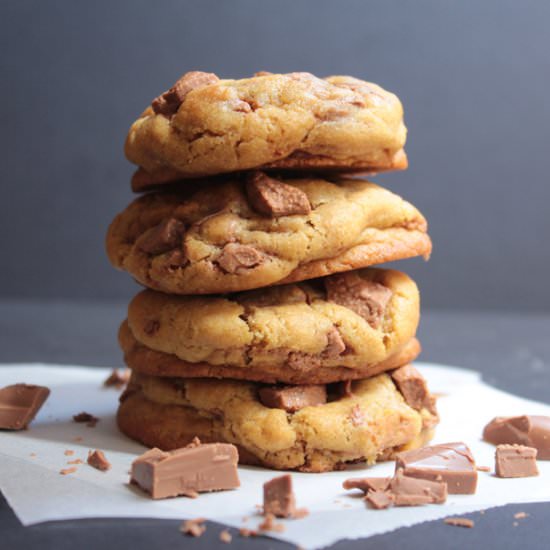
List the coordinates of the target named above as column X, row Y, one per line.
column 413, row 387
column 235, row 257
column 163, row 237
column 274, row 198
column 367, row 298
column 293, row 398
column 167, row 103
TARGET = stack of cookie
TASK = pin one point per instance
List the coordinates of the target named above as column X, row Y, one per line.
column 262, row 324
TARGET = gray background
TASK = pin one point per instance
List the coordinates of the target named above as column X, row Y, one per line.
column 474, row 78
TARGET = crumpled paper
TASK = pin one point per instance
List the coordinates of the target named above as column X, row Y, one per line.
column 31, row 460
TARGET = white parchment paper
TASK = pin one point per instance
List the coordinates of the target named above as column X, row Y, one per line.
column 31, row 460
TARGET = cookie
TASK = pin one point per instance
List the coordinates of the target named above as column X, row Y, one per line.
column 204, row 126
column 315, row 431
column 357, row 319
column 256, row 231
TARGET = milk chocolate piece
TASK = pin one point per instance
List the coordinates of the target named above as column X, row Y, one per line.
column 194, row 469
column 193, row 527
column 19, row 404
column 235, row 257
column 531, row 431
column 117, row 379
column 449, row 462
column 88, row 418
column 274, row 198
column 97, row 460
column 279, row 498
column 379, row 500
column 165, row 236
column 460, row 522
column 414, row 389
column 412, row 491
column 293, row 398
column 367, row 483
column 368, row 299
column 516, row 461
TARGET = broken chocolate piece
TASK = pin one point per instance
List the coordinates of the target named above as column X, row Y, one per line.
column 193, row 527
column 363, row 296
column 97, row 460
column 335, row 344
column 235, row 257
column 412, row 491
column 19, row 404
column 168, row 103
column 367, row 484
column 293, row 398
column 88, row 418
column 225, row 536
column 460, row 522
column 279, row 498
column 380, row 500
column 269, row 524
column 194, row 469
column 67, row 471
column 531, row 431
column 414, row 389
column 449, row 462
column 516, row 461
column 274, row 198
column 163, row 237
column 117, row 379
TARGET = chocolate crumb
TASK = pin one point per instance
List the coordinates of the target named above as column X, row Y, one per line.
column 75, row 461
column 225, row 536
column 460, row 522
column 269, row 524
column 244, row 532
column 77, row 439
column 97, row 460
column 87, row 418
column 483, row 469
column 193, row 527
column 68, row 452
column 521, row 515
column 117, row 379
column 66, row 471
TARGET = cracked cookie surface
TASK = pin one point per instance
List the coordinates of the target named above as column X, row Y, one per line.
column 371, row 424
column 215, row 241
column 205, row 126
column 290, row 329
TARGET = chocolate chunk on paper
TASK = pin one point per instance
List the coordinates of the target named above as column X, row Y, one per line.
column 187, row 471
column 293, row 398
column 516, row 461
column 274, row 198
column 411, row 491
column 531, row 431
column 366, row 484
column 449, row 462
column 19, row 404
column 279, row 499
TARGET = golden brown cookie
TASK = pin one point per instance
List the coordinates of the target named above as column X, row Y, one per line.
column 245, row 234
column 358, row 320
column 204, row 126
column 373, row 422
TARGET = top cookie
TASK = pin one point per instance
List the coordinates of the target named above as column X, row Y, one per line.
column 204, row 126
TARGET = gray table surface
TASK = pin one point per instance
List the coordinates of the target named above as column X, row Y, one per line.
column 512, row 351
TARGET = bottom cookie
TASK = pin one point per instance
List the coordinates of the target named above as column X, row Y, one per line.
column 365, row 420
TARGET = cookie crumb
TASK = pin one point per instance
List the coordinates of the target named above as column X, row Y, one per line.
column 193, row 527
column 225, row 536
column 33, row 455
column 117, row 379
column 66, row 471
column 460, row 522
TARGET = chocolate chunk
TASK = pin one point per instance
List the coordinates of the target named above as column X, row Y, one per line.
column 367, row 484
column 163, row 237
column 380, row 500
column 279, row 498
column 168, row 103
column 414, row 389
column 363, row 296
column 516, row 461
column 531, row 431
column 274, row 198
column 19, row 404
column 236, row 257
column 117, row 379
column 449, row 462
column 193, row 527
column 97, row 460
column 460, row 522
column 300, row 361
column 293, row 398
column 335, row 344
column 88, row 418
column 412, row 491
column 151, row 327
column 194, row 469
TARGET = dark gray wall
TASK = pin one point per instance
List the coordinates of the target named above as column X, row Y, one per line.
column 474, row 78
